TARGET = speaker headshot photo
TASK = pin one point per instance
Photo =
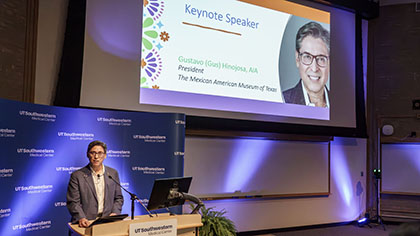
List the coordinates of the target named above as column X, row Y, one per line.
column 311, row 58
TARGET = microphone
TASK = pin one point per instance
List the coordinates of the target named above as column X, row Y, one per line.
column 133, row 197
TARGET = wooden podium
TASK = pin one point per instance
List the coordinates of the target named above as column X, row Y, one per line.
column 187, row 225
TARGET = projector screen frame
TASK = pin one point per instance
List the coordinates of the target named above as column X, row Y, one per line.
column 208, row 123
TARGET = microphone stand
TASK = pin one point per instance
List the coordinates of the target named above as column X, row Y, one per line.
column 133, row 197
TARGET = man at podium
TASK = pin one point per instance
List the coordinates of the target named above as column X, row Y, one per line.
column 92, row 190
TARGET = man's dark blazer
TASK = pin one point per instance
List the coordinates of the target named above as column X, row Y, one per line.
column 81, row 194
column 295, row 95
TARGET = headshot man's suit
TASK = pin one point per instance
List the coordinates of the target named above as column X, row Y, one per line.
column 83, row 179
column 294, row 95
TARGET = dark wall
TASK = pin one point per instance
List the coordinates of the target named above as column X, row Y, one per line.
column 18, row 22
column 396, row 64
column 393, row 84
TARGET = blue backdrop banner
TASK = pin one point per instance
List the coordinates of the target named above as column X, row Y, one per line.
column 42, row 145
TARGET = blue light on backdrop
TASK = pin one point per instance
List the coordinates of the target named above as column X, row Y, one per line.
column 407, row 151
column 341, row 174
column 248, row 155
column 42, row 145
column 342, row 178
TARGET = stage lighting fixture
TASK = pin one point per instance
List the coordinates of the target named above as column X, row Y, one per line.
column 364, row 221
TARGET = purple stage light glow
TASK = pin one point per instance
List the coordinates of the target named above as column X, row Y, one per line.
column 104, row 26
column 341, row 176
column 397, row 157
column 408, row 150
column 248, row 155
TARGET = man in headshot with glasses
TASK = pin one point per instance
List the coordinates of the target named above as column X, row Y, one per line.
column 91, row 192
column 313, row 62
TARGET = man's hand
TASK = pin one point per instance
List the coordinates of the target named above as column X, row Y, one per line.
column 113, row 214
column 84, row 223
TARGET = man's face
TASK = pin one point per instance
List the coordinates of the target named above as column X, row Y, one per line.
column 96, row 156
column 313, row 75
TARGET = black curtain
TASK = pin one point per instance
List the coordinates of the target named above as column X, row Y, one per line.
column 360, row 86
column 70, row 75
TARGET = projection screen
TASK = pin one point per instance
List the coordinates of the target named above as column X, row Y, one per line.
column 221, row 59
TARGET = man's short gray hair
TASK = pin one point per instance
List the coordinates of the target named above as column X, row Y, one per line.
column 315, row 30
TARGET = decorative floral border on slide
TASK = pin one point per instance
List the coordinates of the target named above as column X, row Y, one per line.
column 154, row 38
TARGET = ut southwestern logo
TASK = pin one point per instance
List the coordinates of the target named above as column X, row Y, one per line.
column 5, row 212
column 125, row 185
column 32, row 226
column 76, row 136
column 60, row 204
column 149, row 170
column 178, row 153
column 150, row 138
column 7, row 133
column 33, row 189
column 38, row 116
column 34, row 152
column 118, row 153
column 163, row 229
column 68, row 169
column 4, row 173
column 115, row 121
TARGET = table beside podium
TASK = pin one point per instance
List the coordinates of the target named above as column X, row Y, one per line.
column 187, row 225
